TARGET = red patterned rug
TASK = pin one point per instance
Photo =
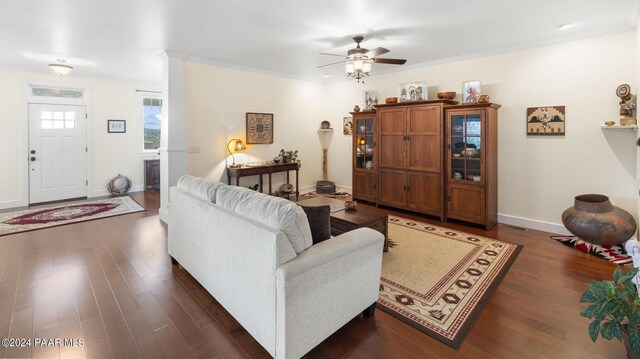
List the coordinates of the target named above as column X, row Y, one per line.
column 614, row 254
column 59, row 214
column 438, row 280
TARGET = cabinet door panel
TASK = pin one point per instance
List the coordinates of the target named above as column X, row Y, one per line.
column 425, row 120
column 391, row 189
column 425, row 153
column 392, row 125
column 425, row 138
column 467, row 203
column 364, row 186
column 425, row 192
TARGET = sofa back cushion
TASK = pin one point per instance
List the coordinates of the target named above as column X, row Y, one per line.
column 200, row 187
column 277, row 213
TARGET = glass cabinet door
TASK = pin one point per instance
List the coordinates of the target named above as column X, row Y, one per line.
column 466, row 148
column 364, row 143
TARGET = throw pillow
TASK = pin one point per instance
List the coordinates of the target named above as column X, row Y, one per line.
column 319, row 222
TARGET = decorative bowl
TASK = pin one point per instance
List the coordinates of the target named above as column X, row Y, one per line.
column 484, row 99
column 610, row 123
column 448, row 95
column 391, row 100
column 470, row 152
column 286, row 188
column 350, row 204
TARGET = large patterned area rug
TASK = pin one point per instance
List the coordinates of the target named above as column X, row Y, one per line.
column 59, row 214
column 438, row 280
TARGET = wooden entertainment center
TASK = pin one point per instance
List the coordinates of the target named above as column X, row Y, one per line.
column 433, row 157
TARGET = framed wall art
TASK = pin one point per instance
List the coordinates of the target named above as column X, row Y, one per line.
column 370, row 99
column 116, row 126
column 470, row 91
column 413, row 91
column 545, row 121
column 259, row 128
column 347, row 126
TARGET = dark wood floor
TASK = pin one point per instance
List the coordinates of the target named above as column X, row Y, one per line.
column 111, row 282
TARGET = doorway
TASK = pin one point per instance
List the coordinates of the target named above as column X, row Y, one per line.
column 57, row 152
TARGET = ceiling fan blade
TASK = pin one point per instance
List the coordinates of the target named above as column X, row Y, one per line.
column 335, row 63
column 376, row 52
column 390, row 61
column 324, row 53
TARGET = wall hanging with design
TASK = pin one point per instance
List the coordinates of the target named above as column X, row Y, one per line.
column 347, row 126
column 545, row 121
column 259, row 128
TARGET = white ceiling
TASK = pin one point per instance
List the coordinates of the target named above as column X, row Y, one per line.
column 123, row 38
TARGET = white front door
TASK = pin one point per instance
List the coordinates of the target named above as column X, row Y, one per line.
column 57, row 152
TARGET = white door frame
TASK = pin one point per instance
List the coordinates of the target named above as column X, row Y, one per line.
column 28, row 98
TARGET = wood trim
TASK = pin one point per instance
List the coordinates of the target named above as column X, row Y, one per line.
column 416, row 103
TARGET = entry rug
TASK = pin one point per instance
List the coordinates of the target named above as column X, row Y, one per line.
column 59, row 214
column 438, row 280
column 614, row 254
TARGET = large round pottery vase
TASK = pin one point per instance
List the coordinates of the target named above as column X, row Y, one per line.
column 594, row 219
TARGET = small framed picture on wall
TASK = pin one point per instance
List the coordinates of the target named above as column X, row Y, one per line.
column 116, row 126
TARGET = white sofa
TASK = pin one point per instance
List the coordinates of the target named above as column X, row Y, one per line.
column 253, row 253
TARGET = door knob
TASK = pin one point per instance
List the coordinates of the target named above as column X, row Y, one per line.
column 33, row 152
column 32, row 159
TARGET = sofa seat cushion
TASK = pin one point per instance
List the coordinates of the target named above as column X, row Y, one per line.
column 277, row 213
column 200, row 187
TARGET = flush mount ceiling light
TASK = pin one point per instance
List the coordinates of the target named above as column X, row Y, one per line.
column 60, row 68
column 358, row 61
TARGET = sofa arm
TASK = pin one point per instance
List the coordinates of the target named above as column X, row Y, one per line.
column 323, row 288
column 330, row 250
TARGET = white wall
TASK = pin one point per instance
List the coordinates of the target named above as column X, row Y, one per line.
column 538, row 176
column 111, row 154
column 216, row 101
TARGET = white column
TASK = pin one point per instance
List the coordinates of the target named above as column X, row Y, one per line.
column 173, row 135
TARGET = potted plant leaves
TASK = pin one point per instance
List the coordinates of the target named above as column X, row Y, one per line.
column 614, row 310
column 290, row 157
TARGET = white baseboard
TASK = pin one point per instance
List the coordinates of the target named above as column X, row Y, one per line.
column 533, row 224
column 13, row 204
column 104, row 192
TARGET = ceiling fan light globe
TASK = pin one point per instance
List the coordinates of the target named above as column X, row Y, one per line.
column 366, row 67
column 349, row 68
column 358, row 64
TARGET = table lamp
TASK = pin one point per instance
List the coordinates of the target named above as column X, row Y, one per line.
column 239, row 146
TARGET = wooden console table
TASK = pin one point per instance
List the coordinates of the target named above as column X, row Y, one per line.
column 259, row 170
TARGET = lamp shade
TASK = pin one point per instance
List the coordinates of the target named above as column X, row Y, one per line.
column 366, row 67
column 325, row 138
column 349, row 67
column 358, row 64
column 60, row 69
column 240, row 145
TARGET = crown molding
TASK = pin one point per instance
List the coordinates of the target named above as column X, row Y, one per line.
column 507, row 49
column 206, row 61
column 175, row 54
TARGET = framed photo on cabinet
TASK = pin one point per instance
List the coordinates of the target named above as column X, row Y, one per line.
column 259, row 128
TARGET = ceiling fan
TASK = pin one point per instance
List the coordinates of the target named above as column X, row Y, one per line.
column 359, row 60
